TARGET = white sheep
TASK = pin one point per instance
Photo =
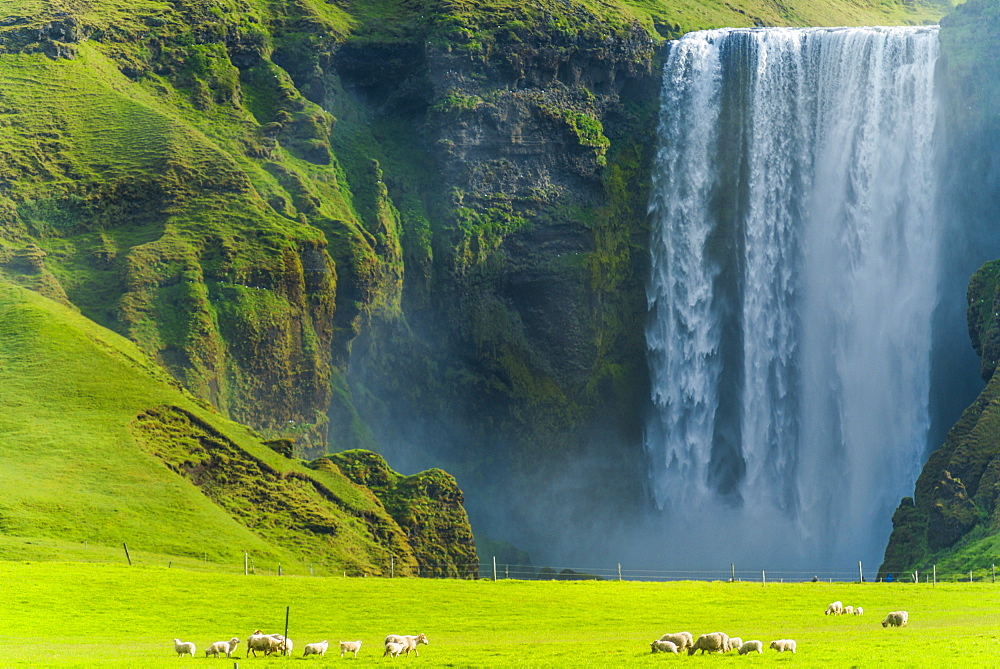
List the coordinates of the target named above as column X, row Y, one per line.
column 284, row 645
column 393, row 649
column 350, row 647
column 781, row 645
column 835, row 609
column 859, row 611
column 715, row 642
column 734, row 643
column 895, row 619
column 663, row 646
column 848, row 610
column 683, row 640
column 751, row 646
column 226, row 647
column 409, row 641
column 318, row 648
column 184, row 648
column 266, row 643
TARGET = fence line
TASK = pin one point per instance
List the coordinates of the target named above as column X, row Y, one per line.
column 493, row 567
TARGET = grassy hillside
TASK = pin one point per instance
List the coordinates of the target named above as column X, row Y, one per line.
column 101, row 446
column 116, row 616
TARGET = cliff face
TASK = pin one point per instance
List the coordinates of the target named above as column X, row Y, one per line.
column 953, row 518
column 518, row 342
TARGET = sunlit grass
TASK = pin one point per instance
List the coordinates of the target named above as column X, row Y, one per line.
column 61, row 614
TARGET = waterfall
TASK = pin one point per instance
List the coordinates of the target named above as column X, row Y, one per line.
column 794, row 273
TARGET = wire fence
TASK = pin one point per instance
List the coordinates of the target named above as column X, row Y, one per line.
column 491, row 568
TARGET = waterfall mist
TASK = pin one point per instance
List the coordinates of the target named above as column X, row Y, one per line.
column 793, row 283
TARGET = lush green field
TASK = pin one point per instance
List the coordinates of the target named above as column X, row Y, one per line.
column 61, row 614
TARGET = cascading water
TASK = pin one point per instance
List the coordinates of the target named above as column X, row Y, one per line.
column 793, row 279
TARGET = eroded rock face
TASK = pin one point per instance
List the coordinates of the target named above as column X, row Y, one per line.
column 952, row 515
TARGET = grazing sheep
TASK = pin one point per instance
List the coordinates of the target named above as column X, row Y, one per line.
column 318, row 648
column 716, row 642
column 393, row 649
column 895, row 619
column 284, row 645
column 734, row 643
column 859, row 611
column 835, row 609
column 350, row 647
column 663, row 646
column 751, row 646
column 409, row 641
column 266, row 643
column 683, row 640
column 226, row 647
column 848, row 610
column 184, row 648
column 781, row 645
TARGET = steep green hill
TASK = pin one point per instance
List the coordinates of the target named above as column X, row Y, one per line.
column 101, row 446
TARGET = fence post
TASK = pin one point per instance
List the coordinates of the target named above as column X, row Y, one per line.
column 392, row 566
column 246, row 564
column 994, row 573
column 279, row 569
column 494, row 567
column 861, row 572
column 763, row 578
column 934, row 585
column 619, row 571
column 970, row 576
column 732, row 572
column 285, row 643
column 125, row 546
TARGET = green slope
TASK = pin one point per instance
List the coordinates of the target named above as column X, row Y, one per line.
column 100, row 446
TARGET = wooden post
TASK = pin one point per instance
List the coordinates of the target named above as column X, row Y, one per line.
column 494, row 567
column 127, row 557
column 934, row 585
column 861, row 573
column 285, row 645
column 279, row 569
column 246, row 564
column 619, row 571
column 392, row 566
column 763, row 578
column 732, row 572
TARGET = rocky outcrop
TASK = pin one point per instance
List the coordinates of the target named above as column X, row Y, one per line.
column 428, row 506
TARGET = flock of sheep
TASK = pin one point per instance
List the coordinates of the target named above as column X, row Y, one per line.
column 720, row 642
column 715, row 642
column 395, row 645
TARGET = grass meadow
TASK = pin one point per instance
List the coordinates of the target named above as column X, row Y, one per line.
column 82, row 615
